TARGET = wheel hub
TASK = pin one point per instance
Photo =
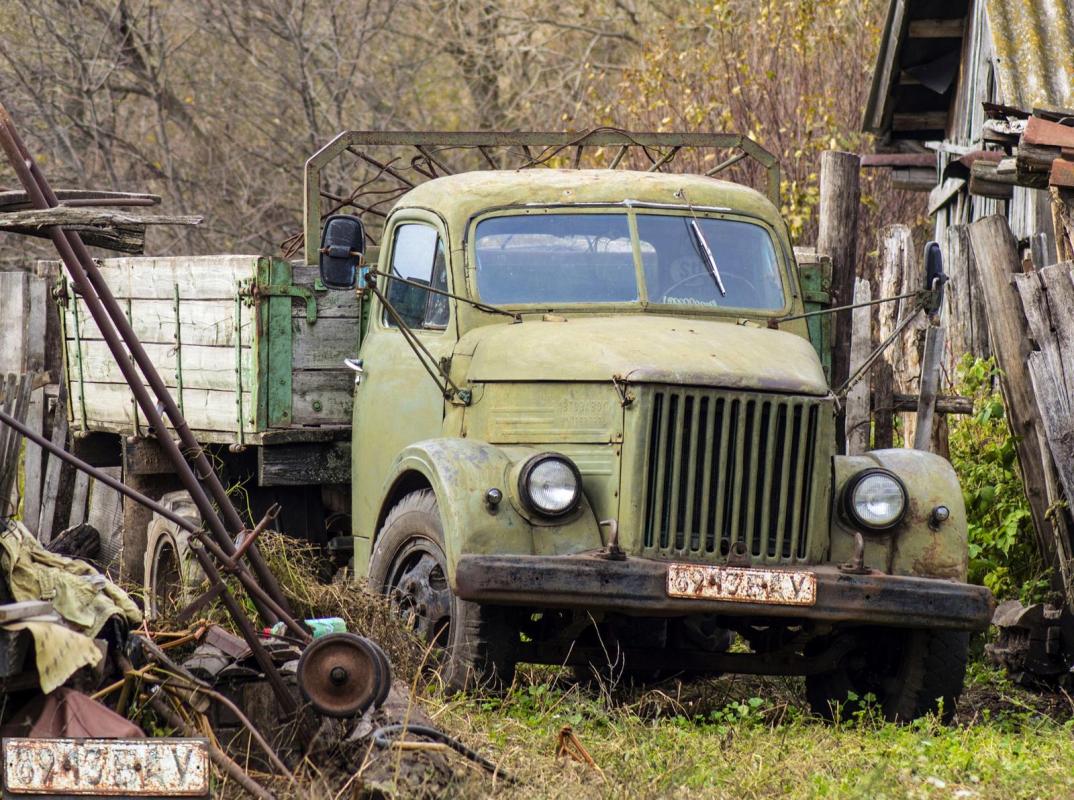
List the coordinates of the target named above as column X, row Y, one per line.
column 343, row 674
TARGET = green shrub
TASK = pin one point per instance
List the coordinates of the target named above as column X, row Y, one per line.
column 1002, row 549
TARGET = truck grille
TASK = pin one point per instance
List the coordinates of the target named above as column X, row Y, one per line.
column 729, row 467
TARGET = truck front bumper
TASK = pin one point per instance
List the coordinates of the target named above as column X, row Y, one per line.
column 640, row 586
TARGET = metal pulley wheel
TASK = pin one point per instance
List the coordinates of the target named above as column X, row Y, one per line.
column 343, row 674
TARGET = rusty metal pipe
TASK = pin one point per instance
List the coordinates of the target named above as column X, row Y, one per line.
column 196, row 477
column 248, row 582
column 246, row 628
column 97, row 474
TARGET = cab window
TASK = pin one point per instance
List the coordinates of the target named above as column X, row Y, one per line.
column 418, row 256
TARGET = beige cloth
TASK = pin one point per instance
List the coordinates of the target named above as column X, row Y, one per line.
column 82, row 596
column 85, row 598
column 59, row 651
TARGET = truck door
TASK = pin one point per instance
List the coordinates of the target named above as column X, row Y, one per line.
column 396, row 403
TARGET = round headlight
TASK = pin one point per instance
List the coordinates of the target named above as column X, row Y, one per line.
column 876, row 500
column 550, row 485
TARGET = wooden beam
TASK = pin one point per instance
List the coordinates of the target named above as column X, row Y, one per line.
column 998, row 261
column 919, row 121
column 837, row 237
column 304, row 464
column 945, row 403
column 937, row 28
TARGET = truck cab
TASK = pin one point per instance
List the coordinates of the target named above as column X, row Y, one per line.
column 590, row 428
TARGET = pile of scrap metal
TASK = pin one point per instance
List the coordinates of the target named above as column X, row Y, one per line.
column 314, row 689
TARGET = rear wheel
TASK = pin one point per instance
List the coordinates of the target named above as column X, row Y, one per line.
column 910, row 673
column 479, row 643
column 172, row 574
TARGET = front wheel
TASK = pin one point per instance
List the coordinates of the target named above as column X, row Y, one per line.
column 408, row 565
column 910, row 673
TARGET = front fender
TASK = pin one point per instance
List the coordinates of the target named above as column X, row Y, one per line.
column 913, row 547
column 460, row 472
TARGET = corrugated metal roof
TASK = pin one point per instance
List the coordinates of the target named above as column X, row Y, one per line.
column 1033, row 42
column 1030, row 42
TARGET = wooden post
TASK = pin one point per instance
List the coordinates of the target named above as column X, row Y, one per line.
column 963, row 314
column 837, row 237
column 883, row 406
column 929, row 383
column 857, row 404
column 899, row 274
column 998, row 260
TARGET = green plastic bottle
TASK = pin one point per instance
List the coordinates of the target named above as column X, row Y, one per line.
column 318, row 627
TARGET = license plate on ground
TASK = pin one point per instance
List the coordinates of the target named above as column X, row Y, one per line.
column 106, row 767
column 742, row 584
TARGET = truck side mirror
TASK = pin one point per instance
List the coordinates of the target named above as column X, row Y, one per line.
column 934, row 277
column 342, row 247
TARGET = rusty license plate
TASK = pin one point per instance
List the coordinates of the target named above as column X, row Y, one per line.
column 742, row 584
column 106, row 767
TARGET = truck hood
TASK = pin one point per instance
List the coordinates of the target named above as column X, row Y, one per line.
column 643, row 348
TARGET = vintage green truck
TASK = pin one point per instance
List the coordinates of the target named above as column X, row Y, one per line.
column 590, row 427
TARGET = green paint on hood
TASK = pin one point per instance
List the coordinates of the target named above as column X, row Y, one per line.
column 645, row 349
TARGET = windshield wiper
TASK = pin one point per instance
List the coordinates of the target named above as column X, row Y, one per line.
column 710, row 260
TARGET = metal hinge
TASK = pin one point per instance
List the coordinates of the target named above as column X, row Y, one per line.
column 287, row 290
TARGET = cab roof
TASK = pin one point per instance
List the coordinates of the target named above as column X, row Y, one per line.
column 459, row 197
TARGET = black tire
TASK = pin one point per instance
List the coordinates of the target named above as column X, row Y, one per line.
column 408, row 565
column 911, row 673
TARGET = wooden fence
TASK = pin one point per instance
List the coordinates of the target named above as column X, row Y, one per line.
column 47, row 495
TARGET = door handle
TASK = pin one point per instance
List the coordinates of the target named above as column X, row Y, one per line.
column 358, row 366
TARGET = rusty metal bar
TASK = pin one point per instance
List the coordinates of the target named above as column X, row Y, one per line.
column 198, row 477
column 248, row 538
column 246, row 628
column 233, row 565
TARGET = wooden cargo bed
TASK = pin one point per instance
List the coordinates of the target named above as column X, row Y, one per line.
column 250, row 348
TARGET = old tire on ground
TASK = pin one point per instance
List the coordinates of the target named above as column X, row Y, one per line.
column 910, row 673
column 172, row 574
column 408, row 565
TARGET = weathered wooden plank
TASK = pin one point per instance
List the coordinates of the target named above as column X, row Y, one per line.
column 997, row 257
column 304, row 464
column 1055, row 412
column 14, row 306
column 204, row 409
column 837, row 236
column 1048, row 301
column 36, row 329
column 79, row 499
column 34, row 462
column 81, row 215
column 54, row 471
column 323, row 345
column 929, row 383
column 203, row 367
column 198, row 277
column 857, row 402
column 322, row 397
column 207, row 323
column 331, row 303
column 964, row 315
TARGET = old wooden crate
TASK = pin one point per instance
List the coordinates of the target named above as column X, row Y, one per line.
column 249, row 346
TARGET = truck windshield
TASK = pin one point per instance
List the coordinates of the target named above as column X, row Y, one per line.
column 589, row 258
